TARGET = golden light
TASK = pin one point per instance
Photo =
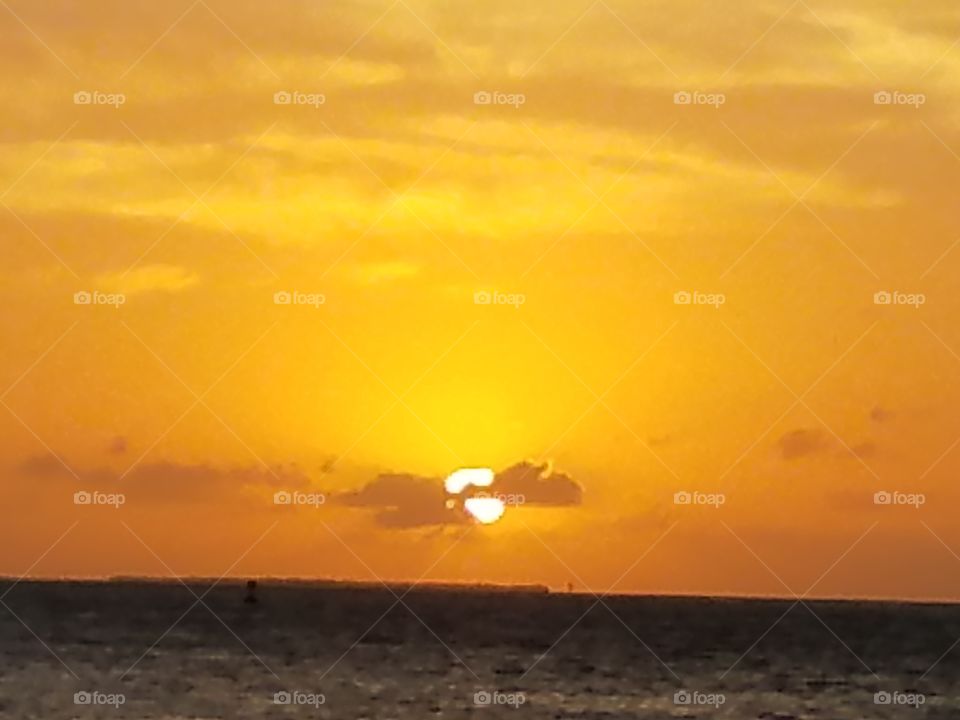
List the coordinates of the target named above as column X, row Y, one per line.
column 486, row 510
column 465, row 477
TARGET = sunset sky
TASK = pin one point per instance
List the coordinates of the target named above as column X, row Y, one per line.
column 581, row 201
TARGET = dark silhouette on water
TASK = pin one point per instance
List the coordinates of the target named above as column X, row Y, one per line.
column 251, row 592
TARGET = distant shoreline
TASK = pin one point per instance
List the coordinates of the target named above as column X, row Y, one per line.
column 455, row 588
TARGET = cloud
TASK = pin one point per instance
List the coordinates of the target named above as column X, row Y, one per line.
column 396, row 489
column 801, row 443
column 383, row 272
column 538, row 484
column 165, row 482
column 405, row 500
column 805, row 442
column 184, row 483
column 40, row 466
column 148, row 278
column 879, row 414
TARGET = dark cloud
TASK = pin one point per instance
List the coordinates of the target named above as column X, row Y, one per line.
column 805, row 442
column 40, row 466
column 801, row 443
column 879, row 414
column 166, row 482
column 404, row 500
column 177, row 483
column 538, row 484
column 395, row 490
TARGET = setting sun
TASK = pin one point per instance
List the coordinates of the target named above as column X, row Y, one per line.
column 463, row 478
column 486, row 510
column 521, row 307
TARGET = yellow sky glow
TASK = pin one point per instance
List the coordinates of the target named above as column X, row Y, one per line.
column 605, row 293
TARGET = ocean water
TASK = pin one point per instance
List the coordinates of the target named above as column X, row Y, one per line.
column 150, row 650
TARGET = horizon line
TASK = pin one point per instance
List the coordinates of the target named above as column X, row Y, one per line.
column 455, row 586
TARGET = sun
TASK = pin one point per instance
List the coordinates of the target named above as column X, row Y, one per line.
column 460, row 479
column 485, row 510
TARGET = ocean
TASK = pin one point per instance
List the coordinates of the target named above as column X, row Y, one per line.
column 139, row 649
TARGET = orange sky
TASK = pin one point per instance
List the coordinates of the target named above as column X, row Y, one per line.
column 585, row 207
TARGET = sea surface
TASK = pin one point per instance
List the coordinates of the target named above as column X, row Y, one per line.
column 152, row 650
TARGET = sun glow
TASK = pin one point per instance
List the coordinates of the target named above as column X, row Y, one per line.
column 460, row 479
column 486, row 510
